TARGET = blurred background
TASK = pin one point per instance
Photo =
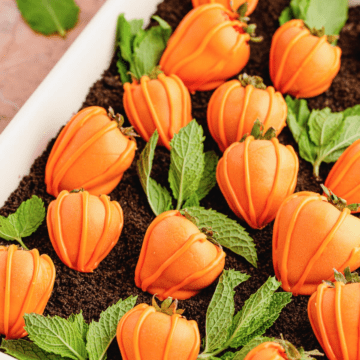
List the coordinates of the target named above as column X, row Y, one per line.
column 26, row 57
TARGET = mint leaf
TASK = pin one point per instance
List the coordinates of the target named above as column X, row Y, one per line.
column 80, row 324
column 56, row 335
column 298, row 116
column 221, row 309
column 186, row 162
column 26, row 350
column 355, row 110
column 228, row 233
column 27, row 218
column 208, row 179
column 191, row 201
column 49, row 17
column 330, row 14
column 228, row 356
column 251, row 317
column 240, row 355
column 286, row 15
column 159, row 198
column 140, row 50
column 324, row 126
column 102, row 333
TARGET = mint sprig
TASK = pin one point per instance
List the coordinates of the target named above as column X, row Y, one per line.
column 139, row 50
column 27, row 218
column 322, row 135
column 227, row 232
column 102, row 333
column 192, row 175
column 49, row 17
column 258, row 313
column 330, row 14
column 57, row 338
column 158, row 197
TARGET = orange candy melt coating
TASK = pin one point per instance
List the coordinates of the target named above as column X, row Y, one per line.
column 208, row 47
column 163, row 104
column 233, row 110
column 227, row 3
column 84, row 228
column 176, row 259
column 312, row 237
column 90, row 153
column 267, row 351
column 145, row 334
column 334, row 315
column 255, row 177
column 344, row 177
column 26, row 283
column 301, row 64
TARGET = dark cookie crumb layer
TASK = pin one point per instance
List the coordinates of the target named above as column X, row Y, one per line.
column 114, row 278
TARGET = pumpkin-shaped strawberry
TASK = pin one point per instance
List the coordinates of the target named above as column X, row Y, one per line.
column 26, row 283
column 235, row 105
column 91, row 152
column 344, row 177
column 334, row 313
column 176, row 259
column 302, row 61
column 210, row 45
column 256, row 175
column 163, row 103
column 154, row 333
column 312, row 235
column 279, row 350
column 230, row 5
column 83, row 228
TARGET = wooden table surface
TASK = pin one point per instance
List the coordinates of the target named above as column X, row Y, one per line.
column 26, row 57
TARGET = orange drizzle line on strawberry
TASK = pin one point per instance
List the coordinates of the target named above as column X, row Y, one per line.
column 11, row 250
column 240, row 131
column 100, row 253
column 183, row 29
column 84, row 230
column 339, row 323
column 63, row 140
column 349, row 163
column 144, row 285
column 300, row 35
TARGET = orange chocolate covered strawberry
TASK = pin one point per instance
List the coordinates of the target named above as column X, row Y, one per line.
column 26, row 280
column 312, row 235
column 255, row 176
column 84, row 228
column 230, row 5
column 176, row 259
column 162, row 103
column 144, row 326
column 210, row 45
column 334, row 313
column 302, row 61
column 344, row 177
column 91, row 152
column 235, row 105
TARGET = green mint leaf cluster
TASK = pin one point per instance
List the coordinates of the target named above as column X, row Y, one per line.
column 102, row 333
column 330, row 14
column 27, row 218
column 56, row 338
column 140, row 50
column 322, row 136
column 49, row 17
column 158, row 197
column 224, row 330
column 192, row 172
column 227, row 232
column 192, row 175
